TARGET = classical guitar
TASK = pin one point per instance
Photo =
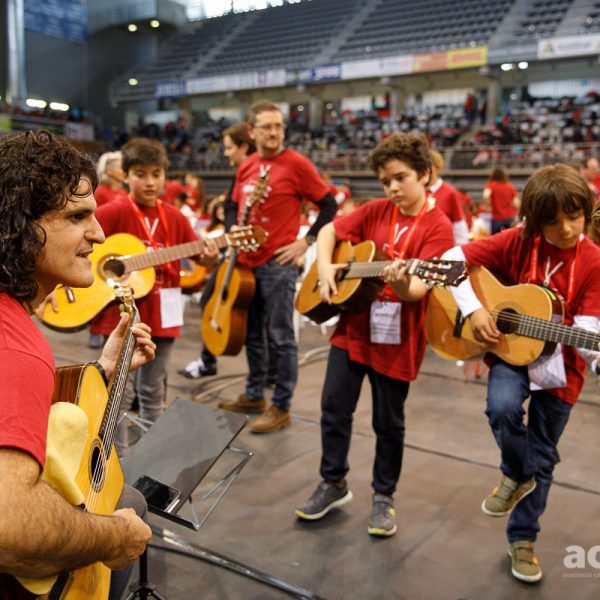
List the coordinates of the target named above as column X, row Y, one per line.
column 224, row 320
column 99, row 478
column 124, row 259
column 529, row 317
column 359, row 283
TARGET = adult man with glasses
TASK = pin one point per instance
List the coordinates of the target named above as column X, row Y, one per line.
column 292, row 179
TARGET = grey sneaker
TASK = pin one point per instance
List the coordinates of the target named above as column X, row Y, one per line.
column 324, row 498
column 524, row 565
column 383, row 516
column 506, row 496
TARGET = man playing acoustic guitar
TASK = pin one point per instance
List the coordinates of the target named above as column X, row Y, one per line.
column 292, row 178
column 47, row 231
column 550, row 249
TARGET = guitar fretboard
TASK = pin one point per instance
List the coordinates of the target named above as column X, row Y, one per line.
column 549, row 331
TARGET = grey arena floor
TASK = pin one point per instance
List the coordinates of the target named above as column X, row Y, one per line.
column 445, row 548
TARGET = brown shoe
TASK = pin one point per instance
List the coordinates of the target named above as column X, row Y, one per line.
column 243, row 404
column 273, row 419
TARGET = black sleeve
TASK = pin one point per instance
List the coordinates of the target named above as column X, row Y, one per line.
column 230, row 208
column 327, row 209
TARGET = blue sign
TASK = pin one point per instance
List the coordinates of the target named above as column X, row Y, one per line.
column 64, row 19
column 331, row 72
column 169, row 89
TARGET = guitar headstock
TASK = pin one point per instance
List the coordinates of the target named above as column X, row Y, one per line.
column 260, row 188
column 247, row 238
column 440, row 272
column 124, row 295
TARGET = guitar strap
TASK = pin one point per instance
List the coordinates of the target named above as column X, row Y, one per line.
column 533, row 269
column 163, row 221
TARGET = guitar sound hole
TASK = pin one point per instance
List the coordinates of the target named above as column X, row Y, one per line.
column 507, row 321
column 115, row 267
column 97, row 468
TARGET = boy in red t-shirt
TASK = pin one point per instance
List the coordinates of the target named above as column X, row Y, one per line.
column 386, row 343
column 158, row 225
column 550, row 249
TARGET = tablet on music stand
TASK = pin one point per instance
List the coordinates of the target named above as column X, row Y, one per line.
column 177, row 452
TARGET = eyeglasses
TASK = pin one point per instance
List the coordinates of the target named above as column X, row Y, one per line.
column 275, row 126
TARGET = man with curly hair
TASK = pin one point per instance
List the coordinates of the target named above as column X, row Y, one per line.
column 47, row 232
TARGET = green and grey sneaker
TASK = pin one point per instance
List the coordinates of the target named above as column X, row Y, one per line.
column 524, row 565
column 505, row 497
column 383, row 516
column 325, row 497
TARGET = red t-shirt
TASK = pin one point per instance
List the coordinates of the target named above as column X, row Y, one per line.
column 448, row 200
column 104, row 194
column 171, row 190
column 432, row 237
column 292, row 178
column 501, row 200
column 508, row 257
column 27, row 373
column 121, row 217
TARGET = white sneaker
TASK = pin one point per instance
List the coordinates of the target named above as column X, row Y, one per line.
column 192, row 369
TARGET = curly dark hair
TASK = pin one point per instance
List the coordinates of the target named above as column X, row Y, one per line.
column 410, row 148
column 38, row 174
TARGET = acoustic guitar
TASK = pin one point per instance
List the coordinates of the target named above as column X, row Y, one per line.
column 528, row 316
column 100, row 478
column 192, row 277
column 225, row 316
column 123, row 259
column 359, row 283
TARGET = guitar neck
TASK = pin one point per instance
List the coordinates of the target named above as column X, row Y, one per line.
column 364, row 270
column 116, row 390
column 137, row 262
column 549, row 331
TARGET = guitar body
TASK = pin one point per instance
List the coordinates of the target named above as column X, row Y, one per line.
column 78, row 306
column 192, row 279
column 353, row 295
column 224, row 320
column 452, row 338
column 85, row 387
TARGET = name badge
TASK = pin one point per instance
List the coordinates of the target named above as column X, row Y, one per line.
column 171, row 308
column 385, row 322
column 548, row 372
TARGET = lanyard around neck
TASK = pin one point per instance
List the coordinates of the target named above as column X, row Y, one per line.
column 409, row 235
column 535, row 254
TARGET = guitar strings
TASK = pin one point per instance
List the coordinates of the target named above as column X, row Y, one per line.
column 559, row 330
column 116, row 390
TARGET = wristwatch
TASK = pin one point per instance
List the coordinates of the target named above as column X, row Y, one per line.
column 310, row 239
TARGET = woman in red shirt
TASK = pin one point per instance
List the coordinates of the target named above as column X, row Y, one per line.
column 502, row 197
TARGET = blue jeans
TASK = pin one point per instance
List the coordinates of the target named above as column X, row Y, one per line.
column 498, row 226
column 272, row 308
column 526, row 450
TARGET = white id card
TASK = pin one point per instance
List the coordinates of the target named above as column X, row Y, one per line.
column 548, row 371
column 385, row 322
column 171, row 308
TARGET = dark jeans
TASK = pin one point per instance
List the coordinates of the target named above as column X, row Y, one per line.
column 526, row 450
column 343, row 381
column 272, row 310
column 130, row 498
column 498, row 226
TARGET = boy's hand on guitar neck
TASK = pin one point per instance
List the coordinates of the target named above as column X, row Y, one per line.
column 484, row 327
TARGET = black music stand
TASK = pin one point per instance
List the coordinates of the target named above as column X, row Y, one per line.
column 173, row 457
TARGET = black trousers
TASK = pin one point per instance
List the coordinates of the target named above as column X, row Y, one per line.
column 343, row 381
